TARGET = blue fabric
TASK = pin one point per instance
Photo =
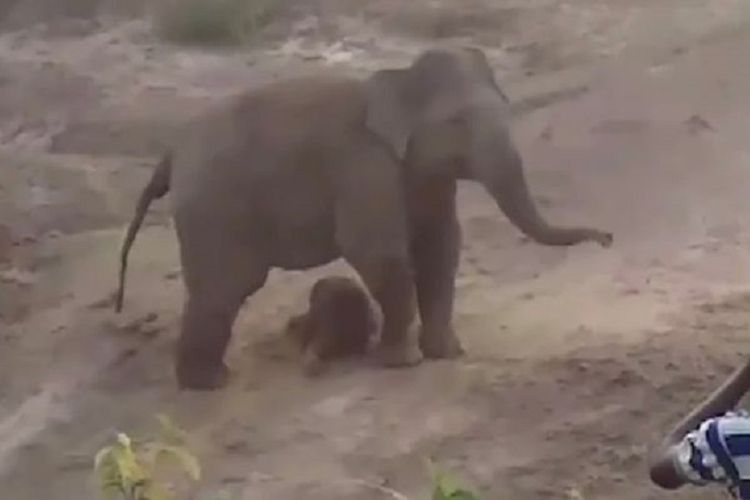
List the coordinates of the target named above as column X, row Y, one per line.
column 718, row 452
column 722, row 455
column 743, row 490
column 738, row 445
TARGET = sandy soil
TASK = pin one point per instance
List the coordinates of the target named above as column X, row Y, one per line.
column 631, row 115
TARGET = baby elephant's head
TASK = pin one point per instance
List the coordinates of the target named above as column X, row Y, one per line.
column 338, row 323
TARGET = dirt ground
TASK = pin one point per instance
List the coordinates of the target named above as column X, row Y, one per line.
column 632, row 115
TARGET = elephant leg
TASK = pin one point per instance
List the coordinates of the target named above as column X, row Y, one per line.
column 435, row 253
column 391, row 283
column 373, row 237
column 206, row 329
column 217, row 279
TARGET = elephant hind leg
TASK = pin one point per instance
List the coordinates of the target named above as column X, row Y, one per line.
column 206, row 329
column 207, row 322
column 217, row 282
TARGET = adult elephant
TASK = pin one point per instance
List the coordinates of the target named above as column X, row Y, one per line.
column 299, row 173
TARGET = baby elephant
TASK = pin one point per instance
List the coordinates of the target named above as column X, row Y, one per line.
column 338, row 323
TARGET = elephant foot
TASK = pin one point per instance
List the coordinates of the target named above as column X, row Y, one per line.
column 398, row 355
column 440, row 345
column 203, row 379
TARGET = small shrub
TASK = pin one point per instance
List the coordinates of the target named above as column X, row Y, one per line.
column 445, row 487
column 214, row 22
column 127, row 470
column 130, row 471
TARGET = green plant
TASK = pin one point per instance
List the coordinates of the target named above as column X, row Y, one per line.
column 127, row 470
column 131, row 471
column 214, row 22
column 445, row 487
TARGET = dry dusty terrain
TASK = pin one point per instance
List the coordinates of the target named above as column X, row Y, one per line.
column 632, row 115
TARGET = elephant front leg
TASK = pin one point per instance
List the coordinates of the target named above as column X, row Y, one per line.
column 435, row 253
column 372, row 233
column 391, row 283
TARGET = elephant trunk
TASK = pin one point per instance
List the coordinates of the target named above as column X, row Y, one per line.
column 499, row 168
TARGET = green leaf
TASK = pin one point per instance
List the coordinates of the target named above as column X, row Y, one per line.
column 108, row 474
column 446, row 487
column 463, row 495
column 101, row 457
column 170, row 431
column 180, row 456
column 117, row 468
column 130, row 470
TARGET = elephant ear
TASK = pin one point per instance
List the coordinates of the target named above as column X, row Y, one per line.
column 390, row 114
column 436, row 85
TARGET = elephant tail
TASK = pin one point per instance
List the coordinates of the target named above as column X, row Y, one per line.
column 157, row 187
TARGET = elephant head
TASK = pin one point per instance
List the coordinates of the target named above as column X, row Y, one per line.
column 446, row 116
